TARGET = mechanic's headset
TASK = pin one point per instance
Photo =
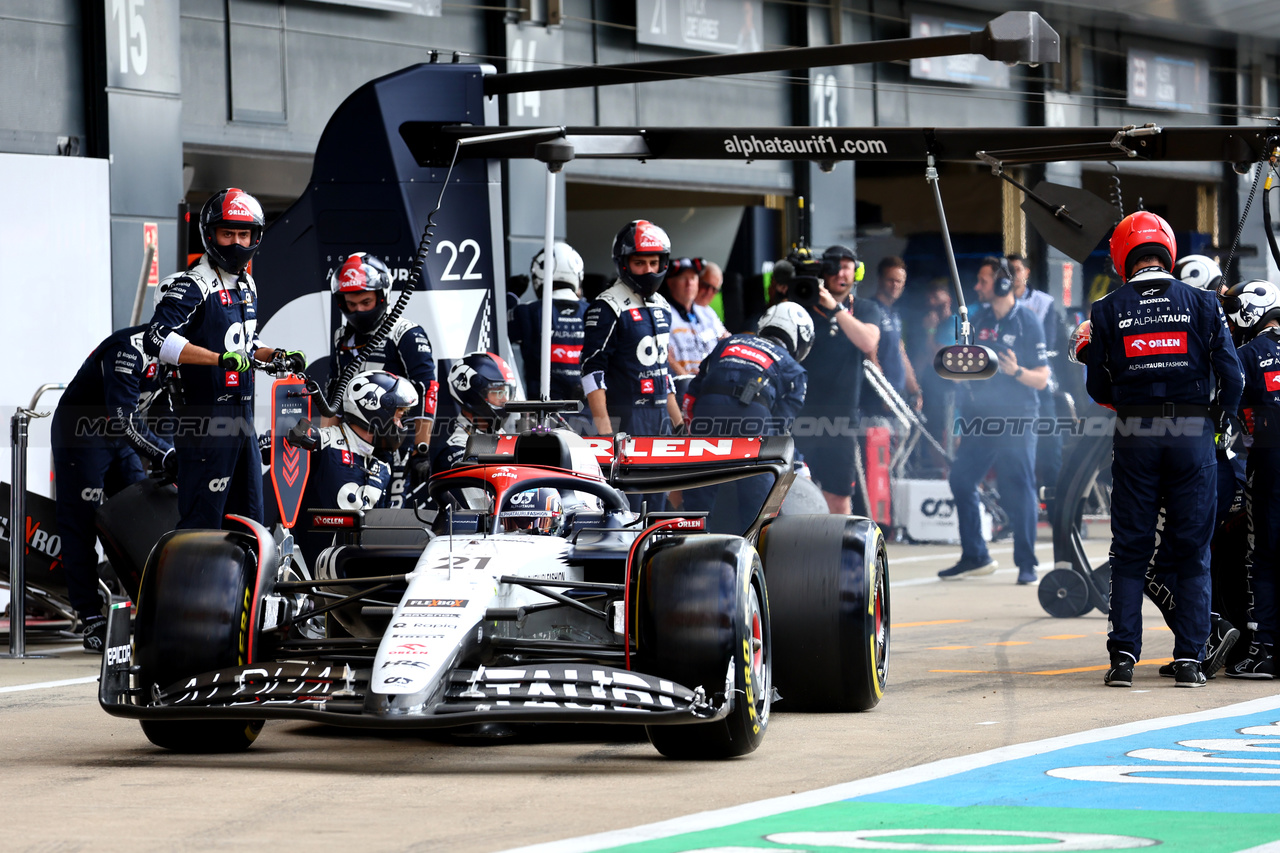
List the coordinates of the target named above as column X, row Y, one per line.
column 831, row 264
column 1004, row 279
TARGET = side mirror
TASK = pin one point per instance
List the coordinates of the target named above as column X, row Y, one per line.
column 966, row 361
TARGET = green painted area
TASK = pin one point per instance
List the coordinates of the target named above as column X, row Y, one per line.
column 1201, row 832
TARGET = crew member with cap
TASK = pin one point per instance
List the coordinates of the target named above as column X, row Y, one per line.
column 846, row 330
column 1008, row 399
column 361, row 289
column 1161, row 355
column 206, row 323
column 693, row 336
column 750, row 385
column 99, row 440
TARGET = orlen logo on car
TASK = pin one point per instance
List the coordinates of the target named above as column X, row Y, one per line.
column 1155, row 343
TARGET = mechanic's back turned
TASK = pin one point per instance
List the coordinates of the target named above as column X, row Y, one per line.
column 1160, row 354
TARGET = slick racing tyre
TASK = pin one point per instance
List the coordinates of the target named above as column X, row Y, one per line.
column 193, row 617
column 829, row 592
column 703, row 621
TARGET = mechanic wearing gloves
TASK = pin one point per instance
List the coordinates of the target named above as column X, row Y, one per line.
column 568, row 307
column 361, row 288
column 481, row 384
column 624, row 352
column 206, row 322
column 1009, row 328
column 346, row 472
column 1254, row 306
column 1159, row 350
column 750, row 385
column 845, row 332
column 98, row 435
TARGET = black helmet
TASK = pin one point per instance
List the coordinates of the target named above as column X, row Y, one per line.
column 361, row 273
column 832, row 257
column 534, row 511
column 231, row 208
column 641, row 237
column 373, row 400
column 482, row 384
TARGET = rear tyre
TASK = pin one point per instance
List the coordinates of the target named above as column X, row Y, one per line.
column 829, row 592
column 703, row 621
column 194, row 616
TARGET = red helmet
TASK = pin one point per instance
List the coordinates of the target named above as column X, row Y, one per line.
column 1079, row 340
column 236, row 209
column 1138, row 235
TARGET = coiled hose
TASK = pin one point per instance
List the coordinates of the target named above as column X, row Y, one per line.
column 389, row 320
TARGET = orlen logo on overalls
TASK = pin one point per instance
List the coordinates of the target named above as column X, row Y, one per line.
column 1155, row 343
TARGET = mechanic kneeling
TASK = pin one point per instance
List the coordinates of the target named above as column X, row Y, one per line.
column 1159, row 349
column 750, row 385
column 346, row 472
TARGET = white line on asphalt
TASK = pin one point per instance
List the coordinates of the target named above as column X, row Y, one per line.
column 42, row 685
column 888, row 781
column 954, row 555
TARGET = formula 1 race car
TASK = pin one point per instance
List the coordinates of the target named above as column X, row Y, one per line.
column 618, row 617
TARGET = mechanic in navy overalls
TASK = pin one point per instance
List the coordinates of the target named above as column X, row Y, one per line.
column 624, row 351
column 206, row 322
column 567, row 334
column 99, row 443
column 361, row 288
column 1000, row 416
column 346, row 473
column 1159, row 351
column 750, row 385
column 1254, row 307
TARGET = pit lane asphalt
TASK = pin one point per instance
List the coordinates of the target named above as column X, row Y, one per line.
column 975, row 664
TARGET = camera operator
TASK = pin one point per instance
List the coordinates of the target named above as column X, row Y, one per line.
column 846, row 331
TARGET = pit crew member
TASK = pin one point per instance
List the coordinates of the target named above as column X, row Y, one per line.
column 99, row 442
column 1010, row 400
column 1254, row 306
column 361, row 288
column 750, row 385
column 1160, row 353
column 206, row 323
column 568, row 307
column 481, row 384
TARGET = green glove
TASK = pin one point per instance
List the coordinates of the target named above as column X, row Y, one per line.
column 295, row 360
column 235, row 361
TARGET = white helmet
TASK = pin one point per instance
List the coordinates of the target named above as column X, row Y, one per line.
column 1199, row 271
column 791, row 325
column 568, row 268
column 1250, row 304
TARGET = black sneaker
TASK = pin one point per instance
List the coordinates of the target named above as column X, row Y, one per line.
column 1222, row 637
column 94, row 634
column 1121, row 672
column 1166, row 670
column 1026, row 576
column 1186, row 673
column 1258, row 663
column 964, row 569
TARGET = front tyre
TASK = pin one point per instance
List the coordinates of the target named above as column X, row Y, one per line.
column 195, row 616
column 829, row 585
column 703, row 621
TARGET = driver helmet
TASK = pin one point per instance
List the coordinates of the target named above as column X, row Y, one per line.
column 1251, row 305
column 378, row 401
column 791, row 326
column 534, row 511
column 482, row 383
column 641, row 237
column 1199, row 271
column 231, row 208
column 567, row 268
column 361, row 273
column 1079, row 340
